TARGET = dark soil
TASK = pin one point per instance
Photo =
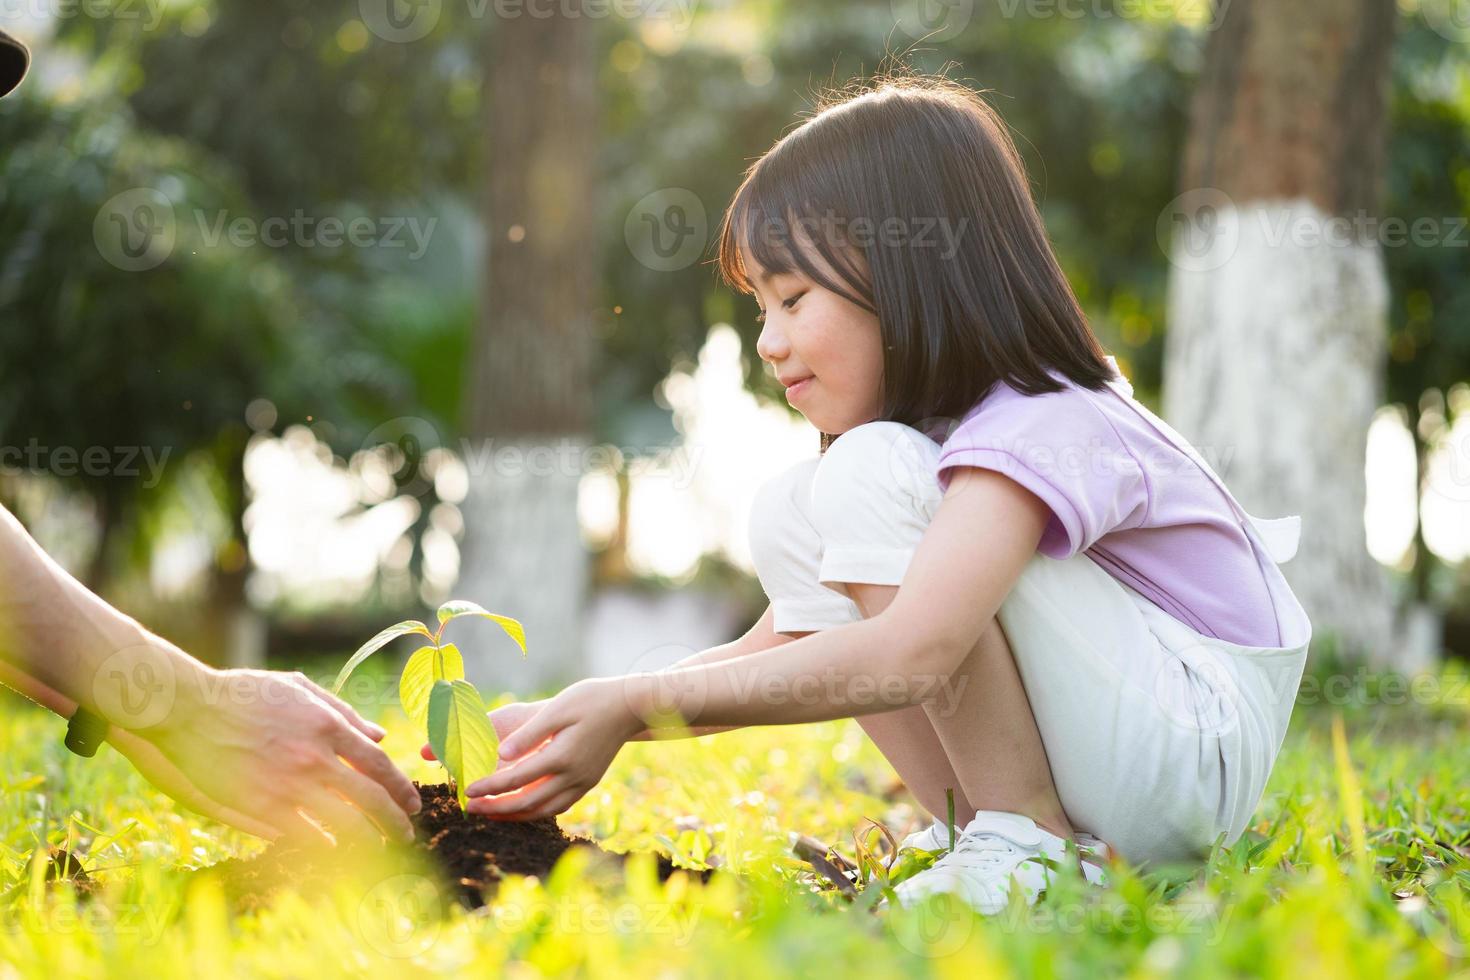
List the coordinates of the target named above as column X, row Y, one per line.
column 473, row 852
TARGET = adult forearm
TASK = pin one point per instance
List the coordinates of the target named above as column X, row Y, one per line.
column 65, row 647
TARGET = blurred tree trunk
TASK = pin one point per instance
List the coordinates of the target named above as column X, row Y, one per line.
column 1275, row 352
column 529, row 383
column 235, row 633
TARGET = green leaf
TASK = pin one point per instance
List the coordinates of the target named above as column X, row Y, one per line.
column 455, row 608
column 426, row 666
column 460, row 733
column 377, row 643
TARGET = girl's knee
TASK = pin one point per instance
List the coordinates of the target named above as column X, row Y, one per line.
column 877, row 466
column 780, row 521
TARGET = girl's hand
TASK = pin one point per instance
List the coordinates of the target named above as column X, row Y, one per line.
column 559, row 754
column 505, row 719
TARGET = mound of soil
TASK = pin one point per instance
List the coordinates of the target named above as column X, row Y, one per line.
column 473, row 852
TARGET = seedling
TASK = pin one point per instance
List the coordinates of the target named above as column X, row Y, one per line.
column 437, row 698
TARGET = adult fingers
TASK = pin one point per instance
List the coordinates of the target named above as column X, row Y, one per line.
column 373, row 762
column 293, row 828
column 518, row 774
column 347, row 711
column 341, row 817
column 373, row 800
column 202, row 804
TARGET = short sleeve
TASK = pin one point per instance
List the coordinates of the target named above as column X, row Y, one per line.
column 1063, row 449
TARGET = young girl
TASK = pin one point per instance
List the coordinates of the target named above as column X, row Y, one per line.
column 1026, row 587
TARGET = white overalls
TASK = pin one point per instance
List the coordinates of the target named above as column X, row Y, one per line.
column 1160, row 738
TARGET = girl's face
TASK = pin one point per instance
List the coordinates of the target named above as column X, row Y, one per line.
column 809, row 332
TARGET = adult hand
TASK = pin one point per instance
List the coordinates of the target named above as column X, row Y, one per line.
column 559, row 753
column 256, row 748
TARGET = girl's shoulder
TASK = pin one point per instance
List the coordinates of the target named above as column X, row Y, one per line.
column 1070, row 414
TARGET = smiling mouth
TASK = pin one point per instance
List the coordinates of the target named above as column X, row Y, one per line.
column 797, row 387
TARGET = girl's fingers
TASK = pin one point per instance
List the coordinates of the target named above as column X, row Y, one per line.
column 517, row 774
column 536, row 730
column 511, row 806
column 558, row 805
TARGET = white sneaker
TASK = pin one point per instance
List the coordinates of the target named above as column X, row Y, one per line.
column 934, row 837
column 1094, row 854
column 991, row 852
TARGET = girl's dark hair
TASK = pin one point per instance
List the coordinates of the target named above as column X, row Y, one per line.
column 911, row 189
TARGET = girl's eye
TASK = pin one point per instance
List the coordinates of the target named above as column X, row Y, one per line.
column 785, row 305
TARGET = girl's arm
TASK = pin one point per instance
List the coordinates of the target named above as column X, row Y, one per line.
column 984, row 533
column 761, row 636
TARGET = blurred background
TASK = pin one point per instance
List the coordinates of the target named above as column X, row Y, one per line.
column 316, row 313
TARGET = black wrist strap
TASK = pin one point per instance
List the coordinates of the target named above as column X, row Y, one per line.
column 85, row 732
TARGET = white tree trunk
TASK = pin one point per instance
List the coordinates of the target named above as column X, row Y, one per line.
column 523, row 556
column 1273, row 368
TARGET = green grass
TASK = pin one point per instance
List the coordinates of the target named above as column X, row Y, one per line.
column 1358, row 865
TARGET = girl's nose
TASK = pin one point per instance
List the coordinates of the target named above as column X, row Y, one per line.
column 771, row 345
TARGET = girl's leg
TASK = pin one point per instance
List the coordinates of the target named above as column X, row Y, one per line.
column 787, row 553
column 909, row 742
column 985, row 734
column 1071, row 708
